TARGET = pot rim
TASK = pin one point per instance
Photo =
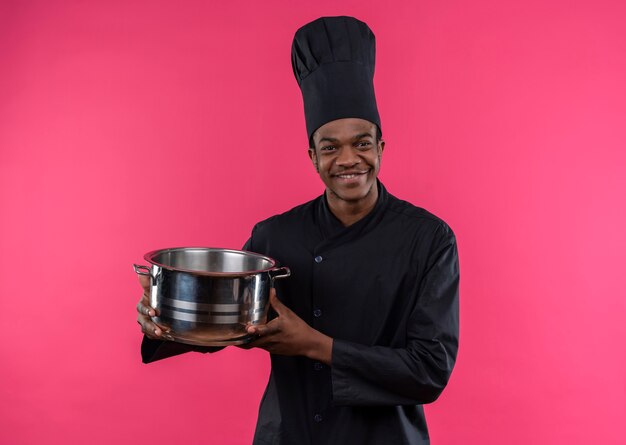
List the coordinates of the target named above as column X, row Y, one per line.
column 150, row 255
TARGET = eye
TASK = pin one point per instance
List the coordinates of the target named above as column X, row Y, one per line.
column 328, row 148
column 363, row 144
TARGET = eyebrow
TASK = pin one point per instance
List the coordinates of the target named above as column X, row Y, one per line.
column 354, row 138
column 362, row 135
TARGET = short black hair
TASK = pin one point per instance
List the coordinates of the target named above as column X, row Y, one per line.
column 379, row 136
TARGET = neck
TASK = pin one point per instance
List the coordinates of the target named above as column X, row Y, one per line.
column 350, row 212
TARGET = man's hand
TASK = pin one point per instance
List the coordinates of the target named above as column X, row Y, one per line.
column 288, row 334
column 145, row 311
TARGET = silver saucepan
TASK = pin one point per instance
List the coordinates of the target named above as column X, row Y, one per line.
column 207, row 296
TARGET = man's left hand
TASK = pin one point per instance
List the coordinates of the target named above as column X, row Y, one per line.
column 288, row 334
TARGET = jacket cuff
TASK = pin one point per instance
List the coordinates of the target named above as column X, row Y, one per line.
column 340, row 372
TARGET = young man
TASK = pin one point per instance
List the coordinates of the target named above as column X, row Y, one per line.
column 366, row 327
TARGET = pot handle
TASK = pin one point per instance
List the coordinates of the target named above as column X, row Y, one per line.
column 279, row 272
column 142, row 270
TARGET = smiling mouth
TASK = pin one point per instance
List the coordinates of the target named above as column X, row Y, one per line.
column 350, row 175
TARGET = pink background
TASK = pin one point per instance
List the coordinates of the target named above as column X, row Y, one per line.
column 127, row 126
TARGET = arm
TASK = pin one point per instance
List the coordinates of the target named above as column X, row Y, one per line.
column 288, row 334
column 418, row 373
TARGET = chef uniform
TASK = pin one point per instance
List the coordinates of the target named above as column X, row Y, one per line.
column 385, row 288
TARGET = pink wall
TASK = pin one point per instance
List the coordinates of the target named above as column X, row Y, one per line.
column 127, row 126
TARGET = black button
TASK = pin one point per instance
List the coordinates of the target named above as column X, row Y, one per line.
column 317, row 417
column 318, row 259
column 317, row 313
column 317, row 366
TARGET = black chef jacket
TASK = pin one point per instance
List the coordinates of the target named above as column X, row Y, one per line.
column 386, row 290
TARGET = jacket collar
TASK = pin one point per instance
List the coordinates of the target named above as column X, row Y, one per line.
column 333, row 230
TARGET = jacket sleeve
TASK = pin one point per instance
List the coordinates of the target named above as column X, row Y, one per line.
column 154, row 350
column 417, row 373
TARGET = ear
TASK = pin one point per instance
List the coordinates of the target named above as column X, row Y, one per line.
column 313, row 157
column 381, row 147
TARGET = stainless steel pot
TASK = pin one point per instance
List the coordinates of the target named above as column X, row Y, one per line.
column 206, row 296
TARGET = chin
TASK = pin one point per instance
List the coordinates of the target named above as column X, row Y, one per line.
column 354, row 195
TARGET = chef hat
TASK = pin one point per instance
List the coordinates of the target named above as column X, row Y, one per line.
column 333, row 60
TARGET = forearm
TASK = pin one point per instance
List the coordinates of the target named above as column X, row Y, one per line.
column 376, row 375
column 320, row 348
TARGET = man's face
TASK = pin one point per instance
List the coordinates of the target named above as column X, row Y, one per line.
column 347, row 157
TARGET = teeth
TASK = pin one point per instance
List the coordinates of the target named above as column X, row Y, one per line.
column 353, row 175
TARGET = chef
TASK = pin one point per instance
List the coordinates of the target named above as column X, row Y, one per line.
column 365, row 331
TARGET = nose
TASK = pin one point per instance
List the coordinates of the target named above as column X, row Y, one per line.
column 347, row 157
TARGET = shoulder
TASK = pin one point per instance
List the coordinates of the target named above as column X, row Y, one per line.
column 418, row 218
column 425, row 234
